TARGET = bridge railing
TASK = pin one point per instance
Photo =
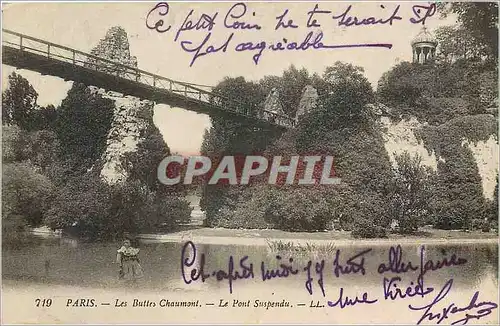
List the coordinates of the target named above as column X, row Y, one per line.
column 62, row 53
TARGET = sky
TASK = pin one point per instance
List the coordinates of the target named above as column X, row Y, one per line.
column 82, row 25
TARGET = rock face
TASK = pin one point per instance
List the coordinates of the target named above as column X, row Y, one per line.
column 272, row 102
column 400, row 137
column 308, row 101
column 115, row 47
column 131, row 117
column 486, row 157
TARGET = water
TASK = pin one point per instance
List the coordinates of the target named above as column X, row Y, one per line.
column 66, row 262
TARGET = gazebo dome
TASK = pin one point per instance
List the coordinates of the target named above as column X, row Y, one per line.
column 424, row 47
column 424, row 37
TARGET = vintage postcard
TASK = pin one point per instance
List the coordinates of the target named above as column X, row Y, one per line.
column 250, row 163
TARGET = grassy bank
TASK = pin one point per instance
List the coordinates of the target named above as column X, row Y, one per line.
column 265, row 237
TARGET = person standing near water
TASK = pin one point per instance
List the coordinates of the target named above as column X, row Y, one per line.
column 126, row 257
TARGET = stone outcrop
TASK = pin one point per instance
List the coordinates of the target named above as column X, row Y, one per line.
column 400, row 137
column 114, row 47
column 486, row 157
column 131, row 117
column 273, row 103
column 308, row 101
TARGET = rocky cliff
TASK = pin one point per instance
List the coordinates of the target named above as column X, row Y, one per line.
column 401, row 136
column 132, row 116
column 308, row 101
column 433, row 143
column 486, row 157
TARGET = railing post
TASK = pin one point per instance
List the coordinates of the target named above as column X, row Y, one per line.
column 48, row 50
column 185, row 91
column 74, row 58
column 154, row 81
column 21, row 43
column 170, row 84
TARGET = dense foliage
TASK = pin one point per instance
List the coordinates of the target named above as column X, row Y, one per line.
column 51, row 163
column 453, row 96
column 480, row 19
column 458, row 189
column 340, row 127
column 410, row 193
column 52, row 157
column 82, row 125
column 458, row 97
column 438, row 92
column 18, row 102
column 25, row 192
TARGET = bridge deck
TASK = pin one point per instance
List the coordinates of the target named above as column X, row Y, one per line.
column 47, row 58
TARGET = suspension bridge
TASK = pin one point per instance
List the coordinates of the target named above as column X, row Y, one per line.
column 26, row 52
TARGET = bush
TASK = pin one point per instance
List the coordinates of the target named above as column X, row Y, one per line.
column 410, row 193
column 96, row 210
column 83, row 205
column 14, row 232
column 166, row 212
column 285, row 208
column 15, row 144
column 369, row 216
column 481, row 224
column 456, row 214
column 25, row 192
column 299, row 209
column 248, row 212
column 366, row 228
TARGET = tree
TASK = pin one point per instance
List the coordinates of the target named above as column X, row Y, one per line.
column 238, row 95
column 343, row 80
column 83, row 204
column 405, row 85
column 19, row 102
column 457, row 42
column 342, row 127
column 44, row 149
column 142, row 164
column 410, row 193
column 44, row 118
column 15, row 144
column 457, row 190
column 343, row 94
column 142, row 202
column 232, row 137
column 25, row 193
column 82, row 126
column 480, row 18
column 289, row 86
column 437, row 93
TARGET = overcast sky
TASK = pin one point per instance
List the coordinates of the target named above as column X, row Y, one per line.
column 82, row 25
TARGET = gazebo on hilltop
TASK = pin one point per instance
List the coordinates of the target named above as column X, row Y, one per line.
column 424, row 47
